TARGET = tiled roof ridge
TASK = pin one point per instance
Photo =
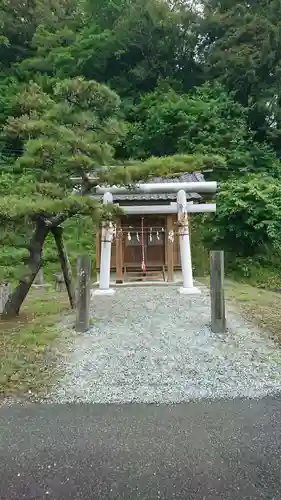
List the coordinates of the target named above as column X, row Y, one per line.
column 185, row 177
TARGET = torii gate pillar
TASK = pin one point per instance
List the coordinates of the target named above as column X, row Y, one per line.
column 185, row 252
column 106, row 244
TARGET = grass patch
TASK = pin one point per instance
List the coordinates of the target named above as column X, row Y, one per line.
column 260, row 306
column 26, row 361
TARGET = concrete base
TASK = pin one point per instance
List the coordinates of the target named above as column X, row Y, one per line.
column 189, row 291
column 99, row 291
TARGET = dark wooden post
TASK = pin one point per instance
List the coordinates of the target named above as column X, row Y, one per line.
column 170, row 248
column 218, row 321
column 83, row 293
column 65, row 264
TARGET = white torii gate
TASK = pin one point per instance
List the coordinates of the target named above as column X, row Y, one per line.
column 182, row 208
column 106, row 244
column 185, row 250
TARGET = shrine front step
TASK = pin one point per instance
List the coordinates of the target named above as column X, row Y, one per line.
column 149, row 275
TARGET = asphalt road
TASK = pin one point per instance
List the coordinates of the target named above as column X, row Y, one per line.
column 200, row 451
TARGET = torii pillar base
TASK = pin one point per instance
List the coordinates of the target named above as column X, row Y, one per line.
column 189, row 291
column 100, row 291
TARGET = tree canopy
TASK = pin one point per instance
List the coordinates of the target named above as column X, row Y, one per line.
column 241, row 42
column 207, row 120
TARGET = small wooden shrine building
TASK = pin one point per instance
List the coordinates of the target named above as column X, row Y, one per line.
column 141, row 246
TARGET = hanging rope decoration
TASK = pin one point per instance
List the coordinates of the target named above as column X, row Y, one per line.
column 183, row 222
column 119, row 233
column 143, row 266
column 109, row 231
column 182, row 217
column 171, row 236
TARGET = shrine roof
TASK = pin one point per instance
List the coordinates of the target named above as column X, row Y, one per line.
column 186, row 177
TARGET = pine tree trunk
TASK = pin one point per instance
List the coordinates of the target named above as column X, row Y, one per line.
column 65, row 264
column 13, row 304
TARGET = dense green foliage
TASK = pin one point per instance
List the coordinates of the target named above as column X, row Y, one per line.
column 96, row 82
column 242, row 50
column 206, row 121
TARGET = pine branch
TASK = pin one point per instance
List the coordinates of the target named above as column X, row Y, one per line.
column 138, row 171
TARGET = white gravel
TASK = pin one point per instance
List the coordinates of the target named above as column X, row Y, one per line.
column 153, row 345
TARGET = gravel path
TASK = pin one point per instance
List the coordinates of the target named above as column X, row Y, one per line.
column 154, row 345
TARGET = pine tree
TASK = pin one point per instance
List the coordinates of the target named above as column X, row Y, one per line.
column 68, row 133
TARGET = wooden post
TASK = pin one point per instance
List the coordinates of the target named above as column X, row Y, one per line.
column 218, row 321
column 65, row 264
column 83, row 294
column 119, row 254
column 170, row 248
